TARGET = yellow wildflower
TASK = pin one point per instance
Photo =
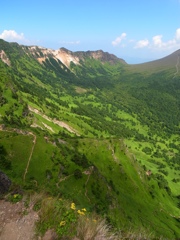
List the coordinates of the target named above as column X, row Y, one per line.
column 62, row 223
column 84, row 209
column 15, row 195
column 80, row 212
column 73, row 207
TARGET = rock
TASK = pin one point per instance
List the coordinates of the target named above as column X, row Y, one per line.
column 5, row 183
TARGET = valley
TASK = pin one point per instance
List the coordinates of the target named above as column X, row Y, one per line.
column 88, row 128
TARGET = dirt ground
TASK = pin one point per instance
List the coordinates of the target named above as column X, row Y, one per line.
column 18, row 222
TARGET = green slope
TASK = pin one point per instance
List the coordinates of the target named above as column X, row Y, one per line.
column 110, row 180
column 93, row 130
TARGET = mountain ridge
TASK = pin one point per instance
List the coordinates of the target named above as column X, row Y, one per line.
column 67, row 56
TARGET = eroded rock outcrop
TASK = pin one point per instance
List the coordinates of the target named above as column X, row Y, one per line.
column 5, row 183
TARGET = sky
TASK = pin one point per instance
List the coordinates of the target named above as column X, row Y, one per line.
column 135, row 30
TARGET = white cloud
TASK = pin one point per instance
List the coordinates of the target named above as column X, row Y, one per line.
column 11, row 35
column 157, row 42
column 119, row 39
column 142, row 43
column 177, row 35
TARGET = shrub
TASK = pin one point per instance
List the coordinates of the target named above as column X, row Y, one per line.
column 77, row 174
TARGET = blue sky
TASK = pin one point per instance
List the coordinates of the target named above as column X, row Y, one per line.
column 135, row 30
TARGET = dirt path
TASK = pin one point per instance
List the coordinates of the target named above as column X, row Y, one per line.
column 32, row 150
column 88, row 172
column 113, row 153
column 23, row 133
column 62, row 179
column 162, row 209
column 177, row 68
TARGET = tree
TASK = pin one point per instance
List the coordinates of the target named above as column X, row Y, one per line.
column 4, row 162
column 77, row 174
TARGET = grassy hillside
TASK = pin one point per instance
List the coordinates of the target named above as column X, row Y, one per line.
column 92, row 133
column 100, row 175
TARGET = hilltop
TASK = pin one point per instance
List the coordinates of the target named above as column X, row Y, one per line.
column 169, row 62
column 88, row 128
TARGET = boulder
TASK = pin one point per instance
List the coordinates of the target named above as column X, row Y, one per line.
column 5, row 183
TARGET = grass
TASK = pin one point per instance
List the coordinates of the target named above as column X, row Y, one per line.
column 134, row 185
column 144, row 158
column 117, row 187
column 13, row 141
column 40, row 161
column 71, row 222
column 94, row 228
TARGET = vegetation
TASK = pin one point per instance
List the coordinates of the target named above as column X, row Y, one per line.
column 100, row 135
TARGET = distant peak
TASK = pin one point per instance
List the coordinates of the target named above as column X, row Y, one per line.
column 99, row 55
column 65, row 50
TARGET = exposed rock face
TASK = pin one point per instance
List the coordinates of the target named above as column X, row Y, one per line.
column 5, row 183
column 4, row 58
column 100, row 55
column 66, row 56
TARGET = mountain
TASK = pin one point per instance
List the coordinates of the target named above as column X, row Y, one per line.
column 66, row 56
column 89, row 128
column 169, row 62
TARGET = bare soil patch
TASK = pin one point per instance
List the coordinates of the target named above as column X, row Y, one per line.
column 16, row 222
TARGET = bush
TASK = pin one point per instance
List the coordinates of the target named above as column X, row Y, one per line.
column 77, row 174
